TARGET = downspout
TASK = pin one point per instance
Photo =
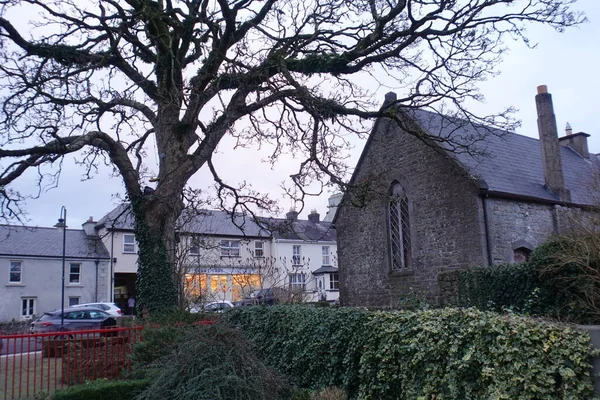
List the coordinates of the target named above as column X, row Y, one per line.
column 96, row 291
column 487, row 229
column 112, row 260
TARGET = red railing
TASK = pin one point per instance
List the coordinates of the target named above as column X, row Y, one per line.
column 44, row 362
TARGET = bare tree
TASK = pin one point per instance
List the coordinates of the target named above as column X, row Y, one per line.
column 108, row 79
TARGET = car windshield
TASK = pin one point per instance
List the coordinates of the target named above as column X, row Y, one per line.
column 45, row 317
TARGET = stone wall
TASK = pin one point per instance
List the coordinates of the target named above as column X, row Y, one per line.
column 446, row 222
column 14, row 327
column 514, row 224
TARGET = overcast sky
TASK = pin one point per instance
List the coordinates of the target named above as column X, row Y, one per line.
column 567, row 63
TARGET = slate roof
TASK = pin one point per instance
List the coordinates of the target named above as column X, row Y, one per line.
column 325, row 270
column 301, row 230
column 206, row 222
column 511, row 163
column 47, row 242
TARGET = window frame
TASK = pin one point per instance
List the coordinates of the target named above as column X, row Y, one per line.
column 71, row 282
column 295, row 283
column 326, row 258
column 25, row 307
column 399, row 231
column 296, row 256
column 334, row 284
column 10, row 272
column 78, row 298
column 134, row 244
column 194, row 249
column 259, row 252
column 227, row 248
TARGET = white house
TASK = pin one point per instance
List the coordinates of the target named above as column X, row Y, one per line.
column 225, row 258
column 31, row 265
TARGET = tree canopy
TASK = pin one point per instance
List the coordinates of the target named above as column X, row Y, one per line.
column 107, row 79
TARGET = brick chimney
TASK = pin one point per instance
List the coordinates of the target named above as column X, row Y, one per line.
column 551, row 160
column 576, row 141
column 314, row 216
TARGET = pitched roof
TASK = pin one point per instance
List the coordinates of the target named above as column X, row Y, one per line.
column 511, row 163
column 47, row 242
column 301, row 230
column 205, row 222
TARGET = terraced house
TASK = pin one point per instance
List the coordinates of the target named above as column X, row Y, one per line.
column 31, row 269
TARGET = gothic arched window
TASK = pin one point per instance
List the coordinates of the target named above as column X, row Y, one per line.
column 399, row 234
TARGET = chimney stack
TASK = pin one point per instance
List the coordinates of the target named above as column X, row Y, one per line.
column 551, row 160
column 89, row 227
column 314, row 216
column 292, row 215
column 576, row 141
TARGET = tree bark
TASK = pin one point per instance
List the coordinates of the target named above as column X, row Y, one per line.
column 155, row 222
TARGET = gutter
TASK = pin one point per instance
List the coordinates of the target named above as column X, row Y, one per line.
column 533, row 199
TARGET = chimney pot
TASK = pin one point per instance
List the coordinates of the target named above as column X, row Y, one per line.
column 568, row 129
column 542, row 89
column 314, row 216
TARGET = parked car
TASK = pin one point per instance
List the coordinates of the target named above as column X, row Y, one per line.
column 213, row 307
column 108, row 307
column 75, row 318
column 272, row 295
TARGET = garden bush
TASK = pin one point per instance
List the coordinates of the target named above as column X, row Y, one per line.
column 561, row 281
column 431, row 354
column 103, row 390
column 205, row 362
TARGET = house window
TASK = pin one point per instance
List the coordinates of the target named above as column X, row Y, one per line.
column 334, row 281
column 399, row 229
column 230, row 248
column 297, row 255
column 75, row 273
column 521, row 255
column 194, row 248
column 16, row 269
column 326, row 255
column 27, row 307
column 128, row 243
column 259, row 249
column 73, row 301
column 297, row 280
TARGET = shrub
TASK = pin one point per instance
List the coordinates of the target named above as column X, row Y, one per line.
column 102, row 390
column 444, row 353
column 561, row 281
column 210, row 362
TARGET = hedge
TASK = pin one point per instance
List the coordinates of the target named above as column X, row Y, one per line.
column 103, row 390
column 441, row 354
column 544, row 286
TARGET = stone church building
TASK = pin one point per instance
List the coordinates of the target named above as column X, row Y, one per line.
column 429, row 206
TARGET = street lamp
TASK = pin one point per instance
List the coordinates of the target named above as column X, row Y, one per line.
column 62, row 222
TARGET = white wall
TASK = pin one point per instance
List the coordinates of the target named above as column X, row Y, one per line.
column 312, row 259
column 42, row 280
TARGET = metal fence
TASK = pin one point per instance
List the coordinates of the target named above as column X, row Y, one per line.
column 30, row 363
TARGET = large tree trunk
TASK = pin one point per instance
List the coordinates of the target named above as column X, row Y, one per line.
column 155, row 222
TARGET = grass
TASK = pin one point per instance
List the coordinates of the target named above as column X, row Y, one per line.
column 22, row 375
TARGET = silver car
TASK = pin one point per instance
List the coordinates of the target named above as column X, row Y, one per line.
column 80, row 318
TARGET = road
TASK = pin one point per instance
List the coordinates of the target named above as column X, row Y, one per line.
column 21, row 345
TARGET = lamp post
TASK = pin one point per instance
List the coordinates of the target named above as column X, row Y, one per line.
column 62, row 222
